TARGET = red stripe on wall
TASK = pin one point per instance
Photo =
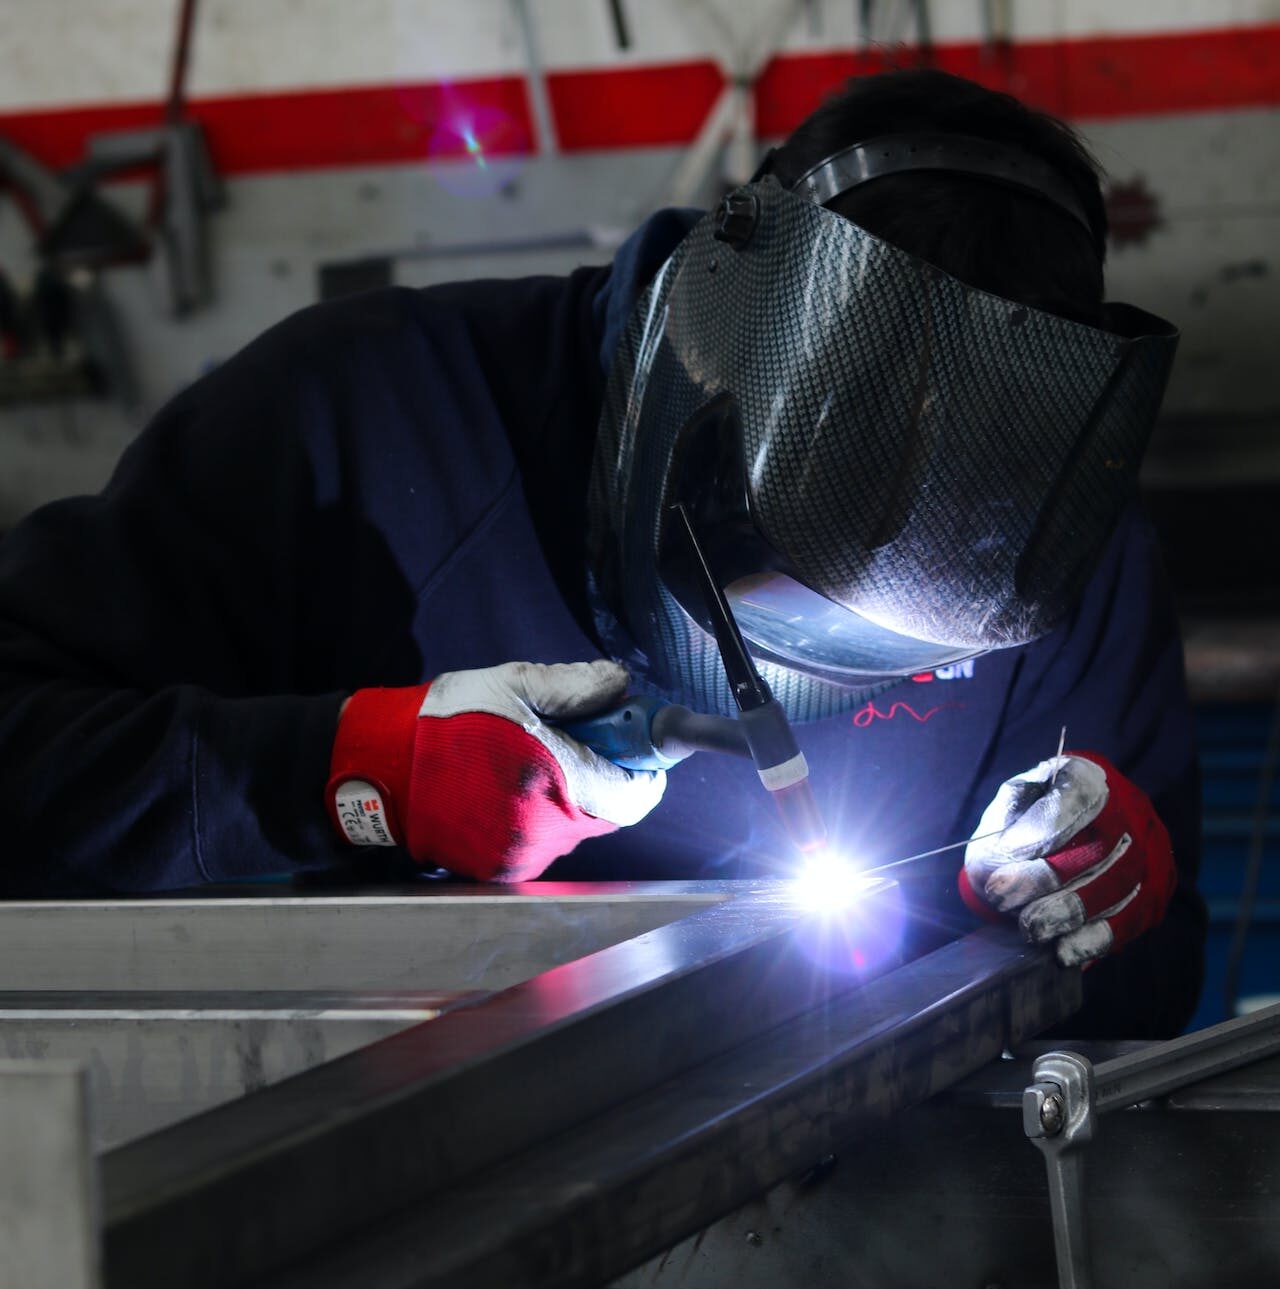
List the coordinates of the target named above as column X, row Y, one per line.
column 632, row 106
column 312, row 129
column 1094, row 79
column 57, row 136
column 1198, row 71
column 369, row 126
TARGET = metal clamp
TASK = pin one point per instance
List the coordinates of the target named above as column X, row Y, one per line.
column 1058, row 1112
column 1061, row 1107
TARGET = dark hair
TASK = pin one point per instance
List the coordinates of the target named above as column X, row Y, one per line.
column 987, row 234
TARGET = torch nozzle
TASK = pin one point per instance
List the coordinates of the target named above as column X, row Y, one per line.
column 769, row 737
column 801, row 818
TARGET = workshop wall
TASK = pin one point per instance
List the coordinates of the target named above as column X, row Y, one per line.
column 418, row 140
column 423, row 139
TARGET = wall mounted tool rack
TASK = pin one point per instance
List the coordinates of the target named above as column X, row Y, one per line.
column 531, row 1086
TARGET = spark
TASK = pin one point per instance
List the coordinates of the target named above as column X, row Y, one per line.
column 829, row 882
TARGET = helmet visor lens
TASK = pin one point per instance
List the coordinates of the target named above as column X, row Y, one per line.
column 788, row 623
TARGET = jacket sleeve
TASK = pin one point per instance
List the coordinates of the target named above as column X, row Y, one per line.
column 1113, row 675
column 171, row 650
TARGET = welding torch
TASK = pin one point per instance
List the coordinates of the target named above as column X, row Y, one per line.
column 647, row 734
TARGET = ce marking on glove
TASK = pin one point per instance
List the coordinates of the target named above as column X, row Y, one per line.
column 361, row 814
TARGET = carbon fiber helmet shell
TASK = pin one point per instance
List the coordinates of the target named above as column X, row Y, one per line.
column 942, row 465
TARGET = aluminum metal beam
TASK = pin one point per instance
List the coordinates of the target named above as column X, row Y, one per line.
column 248, row 1187
column 578, row 1210
column 48, row 1187
column 180, row 1003
column 551, row 1133
column 563, row 1129
column 273, row 938
column 154, row 1059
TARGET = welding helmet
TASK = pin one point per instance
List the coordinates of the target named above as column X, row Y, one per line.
column 888, row 470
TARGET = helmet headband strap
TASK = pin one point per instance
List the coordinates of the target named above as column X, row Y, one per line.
column 891, row 154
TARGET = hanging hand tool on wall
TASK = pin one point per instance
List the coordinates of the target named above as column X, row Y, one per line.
column 185, row 186
column 61, row 338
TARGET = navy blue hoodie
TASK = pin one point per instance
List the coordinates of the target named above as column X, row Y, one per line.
column 393, row 485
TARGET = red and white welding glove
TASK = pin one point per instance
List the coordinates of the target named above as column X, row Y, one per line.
column 1081, row 858
column 468, row 773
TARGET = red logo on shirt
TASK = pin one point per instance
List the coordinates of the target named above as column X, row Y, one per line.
column 869, row 714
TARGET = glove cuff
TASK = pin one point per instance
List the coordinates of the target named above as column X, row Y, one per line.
column 370, row 765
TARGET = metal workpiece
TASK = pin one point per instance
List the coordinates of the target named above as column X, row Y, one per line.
column 425, row 936
column 180, row 1003
column 48, row 1185
column 554, row 1132
column 1060, row 1110
column 153, row 1059
column 246, row 1188
column 1157, row 1071
column 609, row 1191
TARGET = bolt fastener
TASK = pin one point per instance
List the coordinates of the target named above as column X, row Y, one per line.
column 1052, row 1114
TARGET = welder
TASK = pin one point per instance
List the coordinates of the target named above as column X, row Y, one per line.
column 341, row 598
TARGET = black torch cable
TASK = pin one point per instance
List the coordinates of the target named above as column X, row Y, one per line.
column 749, row 688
